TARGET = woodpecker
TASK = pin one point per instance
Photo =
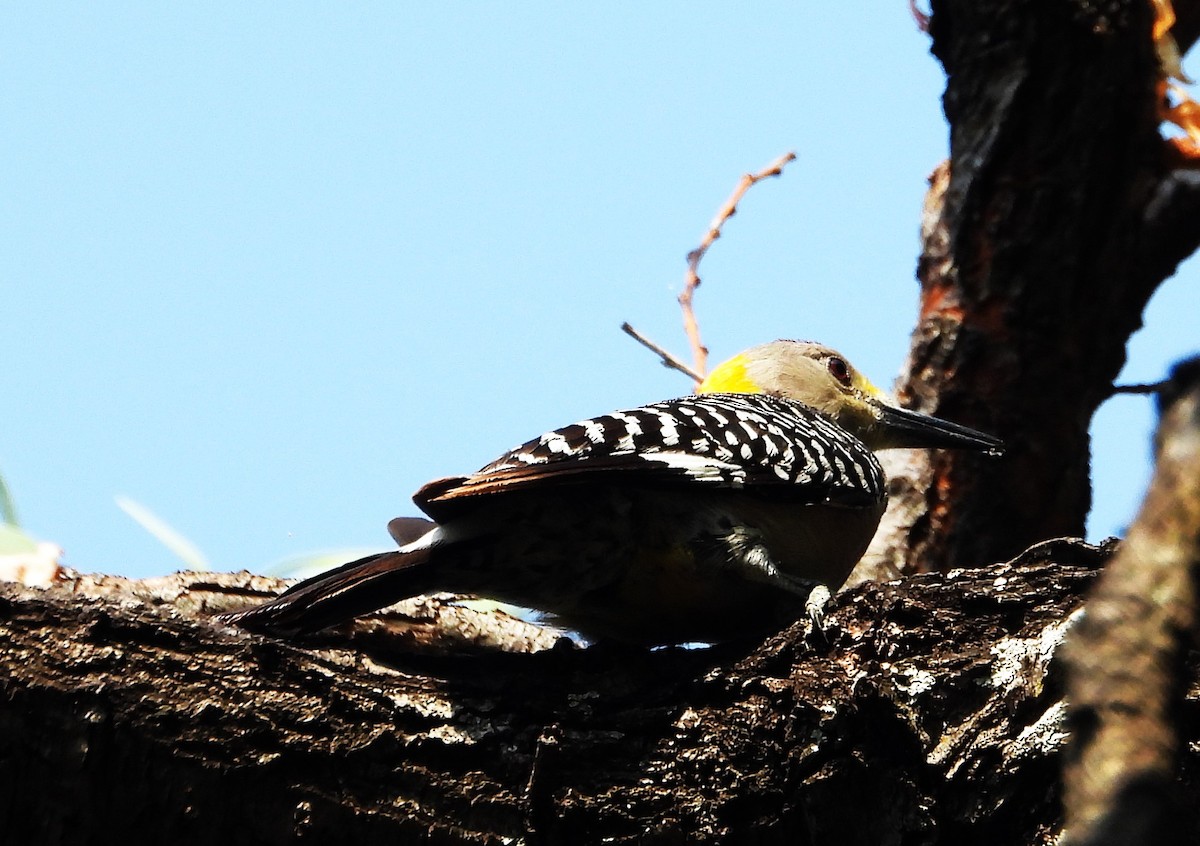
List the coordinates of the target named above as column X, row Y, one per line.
column 698, row 519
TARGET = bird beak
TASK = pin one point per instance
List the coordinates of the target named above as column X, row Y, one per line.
column 911, row 429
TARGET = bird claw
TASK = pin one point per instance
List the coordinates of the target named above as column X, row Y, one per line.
column 814, row 606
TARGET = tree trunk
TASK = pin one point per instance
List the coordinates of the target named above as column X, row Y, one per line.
column 1057, row 216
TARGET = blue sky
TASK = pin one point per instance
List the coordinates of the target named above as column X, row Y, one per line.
column 266, row 269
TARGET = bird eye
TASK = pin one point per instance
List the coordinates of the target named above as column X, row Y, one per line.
column 840, row 370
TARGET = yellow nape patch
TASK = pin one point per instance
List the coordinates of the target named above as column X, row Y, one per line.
column 868, row 387
column 729, row 377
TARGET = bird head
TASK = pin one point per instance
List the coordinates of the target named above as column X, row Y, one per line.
column 823, row 379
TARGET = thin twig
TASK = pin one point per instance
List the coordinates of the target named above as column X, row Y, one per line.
column 692, row 278
column 668, row 360
column 1152, row 388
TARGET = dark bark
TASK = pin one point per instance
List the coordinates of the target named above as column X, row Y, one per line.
column 1056, row 218
column 928, row 714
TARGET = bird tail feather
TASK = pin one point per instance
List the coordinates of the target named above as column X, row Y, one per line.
column 352, row 589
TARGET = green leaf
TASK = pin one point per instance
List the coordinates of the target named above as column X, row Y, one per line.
column 8, row 510
column 15, row 542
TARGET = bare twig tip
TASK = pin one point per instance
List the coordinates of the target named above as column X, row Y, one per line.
column 667, row 359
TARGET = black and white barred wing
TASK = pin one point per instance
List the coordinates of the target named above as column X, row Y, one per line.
column 739, row 441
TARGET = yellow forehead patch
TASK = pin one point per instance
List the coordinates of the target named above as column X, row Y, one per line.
column 729, row 377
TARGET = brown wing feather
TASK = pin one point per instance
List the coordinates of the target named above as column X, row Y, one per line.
column 445, row 498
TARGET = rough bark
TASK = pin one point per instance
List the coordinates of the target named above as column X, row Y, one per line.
column 1127, row 655
column 929, row 712
column 1057, row 216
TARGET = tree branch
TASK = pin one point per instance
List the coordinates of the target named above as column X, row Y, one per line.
column 1127, row 654
column 926, row 708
